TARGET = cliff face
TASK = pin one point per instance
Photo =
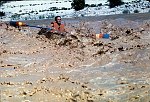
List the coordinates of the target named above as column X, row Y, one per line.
column 40, row 10
column 76, row 67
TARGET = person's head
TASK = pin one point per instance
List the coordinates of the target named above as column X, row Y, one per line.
column 58, row 19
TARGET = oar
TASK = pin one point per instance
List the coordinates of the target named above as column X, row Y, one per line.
column 47, row 28
column 22, row 24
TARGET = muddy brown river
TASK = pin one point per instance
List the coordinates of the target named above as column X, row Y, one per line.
column 76, row 67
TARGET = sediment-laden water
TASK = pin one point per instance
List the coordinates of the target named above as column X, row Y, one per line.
column 76, row 67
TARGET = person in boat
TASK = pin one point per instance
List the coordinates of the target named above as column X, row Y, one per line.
column 57, row 26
